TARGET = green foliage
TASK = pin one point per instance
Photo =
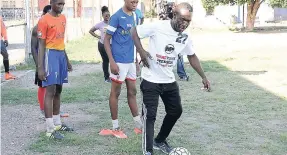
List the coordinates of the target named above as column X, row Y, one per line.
column 273, row 3
column 278, row 3
column 209, row 5
column 150, row 14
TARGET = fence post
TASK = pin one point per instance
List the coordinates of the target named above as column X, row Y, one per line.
column 27, row 31
column 32, row 13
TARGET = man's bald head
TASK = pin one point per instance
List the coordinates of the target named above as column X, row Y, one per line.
column 182, row 15
column 183, row 7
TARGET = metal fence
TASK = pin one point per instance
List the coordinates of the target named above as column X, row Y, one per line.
column 9, row 14
column 81, row 16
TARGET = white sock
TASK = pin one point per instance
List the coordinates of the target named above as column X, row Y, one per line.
column 57, row 119
column 138, row 122
column 50, row 125
column 115, row 124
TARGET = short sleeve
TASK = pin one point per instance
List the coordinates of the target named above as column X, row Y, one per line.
column 146, row 30
column 189, row 49
column 98, row 26
column 113, row 24
column 42, row 29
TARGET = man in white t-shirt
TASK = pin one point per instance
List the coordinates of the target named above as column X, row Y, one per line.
column 166, row 41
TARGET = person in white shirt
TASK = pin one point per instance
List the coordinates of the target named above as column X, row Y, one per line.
column 167, row 39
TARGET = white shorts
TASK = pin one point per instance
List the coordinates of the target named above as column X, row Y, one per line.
column 127, row 71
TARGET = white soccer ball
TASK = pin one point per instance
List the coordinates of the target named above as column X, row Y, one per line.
column 179, row 151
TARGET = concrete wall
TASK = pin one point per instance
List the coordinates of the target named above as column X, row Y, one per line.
column 265, row 13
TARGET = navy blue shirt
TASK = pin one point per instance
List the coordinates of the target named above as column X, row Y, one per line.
column 122, row 43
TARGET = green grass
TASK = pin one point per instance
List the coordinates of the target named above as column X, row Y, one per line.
column 84, row 50
column 237, row 117
column 79, row 51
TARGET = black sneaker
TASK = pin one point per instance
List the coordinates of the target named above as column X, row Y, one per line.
column 163, row 146
column 108, row 80
column 55, row 135
column 184, row 78
column 148, row 153
column 63, row 127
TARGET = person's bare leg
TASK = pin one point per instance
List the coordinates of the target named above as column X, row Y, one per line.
column 48, row 107
column 56, row 105
column 113, row 101
column 131, row 95
column 132, row 101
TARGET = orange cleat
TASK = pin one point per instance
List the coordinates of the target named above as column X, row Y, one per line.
column 119, row 134
column 137, row 131
column 64, row 114
column 106, row 132
column 9, row 76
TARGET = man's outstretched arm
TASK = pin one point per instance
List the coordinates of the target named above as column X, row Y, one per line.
column 195, row 63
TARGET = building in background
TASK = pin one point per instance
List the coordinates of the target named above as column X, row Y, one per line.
column 12, row 3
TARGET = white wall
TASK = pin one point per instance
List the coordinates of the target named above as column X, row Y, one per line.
column 225, row 12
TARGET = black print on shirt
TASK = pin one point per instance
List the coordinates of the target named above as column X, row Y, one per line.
column 165, row 61
column 181, row 38
column 169, row 49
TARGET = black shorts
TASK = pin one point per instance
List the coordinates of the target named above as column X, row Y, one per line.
column 37, row 80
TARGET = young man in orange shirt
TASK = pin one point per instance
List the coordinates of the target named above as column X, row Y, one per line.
column 34, row 51
column 4, row 44
column 53, row 66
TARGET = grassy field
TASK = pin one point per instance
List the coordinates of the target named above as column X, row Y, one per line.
column 239, row 116
column 80, row 51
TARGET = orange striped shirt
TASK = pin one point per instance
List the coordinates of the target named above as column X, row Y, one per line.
column 3, row 30
column 52, row 29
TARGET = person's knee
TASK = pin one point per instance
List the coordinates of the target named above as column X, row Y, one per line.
column 58, row 90
column 151, row 117
column 150, row 113
column 176, row 112
column 50, row 91
column 5, row 55
column 132, row 92
column 116, row 90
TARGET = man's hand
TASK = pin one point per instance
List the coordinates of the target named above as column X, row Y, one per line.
column 6, row 43
column 138, row 68
column 206, row 84
column 114, row 68
column 144, row 58
column 42, row 75
column 70, row 68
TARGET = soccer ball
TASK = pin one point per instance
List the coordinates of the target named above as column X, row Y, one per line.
column 179, row 151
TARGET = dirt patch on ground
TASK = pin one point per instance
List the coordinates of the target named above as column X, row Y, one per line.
column 22, row 124
column 25, row 79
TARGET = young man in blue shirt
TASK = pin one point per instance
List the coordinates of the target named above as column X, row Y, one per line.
column 122, row 57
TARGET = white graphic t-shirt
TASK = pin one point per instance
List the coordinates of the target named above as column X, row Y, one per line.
column 164, row 46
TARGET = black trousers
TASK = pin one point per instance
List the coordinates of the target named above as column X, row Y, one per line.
column 5, row 55
column 169, row 94
column 105, row 59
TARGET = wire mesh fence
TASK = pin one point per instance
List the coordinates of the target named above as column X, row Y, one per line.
column 20, row 16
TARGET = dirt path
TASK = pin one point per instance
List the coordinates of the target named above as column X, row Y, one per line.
column 21, row 124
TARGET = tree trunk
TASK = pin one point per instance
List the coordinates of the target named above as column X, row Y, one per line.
column 252, row 8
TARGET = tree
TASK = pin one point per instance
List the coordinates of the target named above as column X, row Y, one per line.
column 252, row 7
column 209, row 5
